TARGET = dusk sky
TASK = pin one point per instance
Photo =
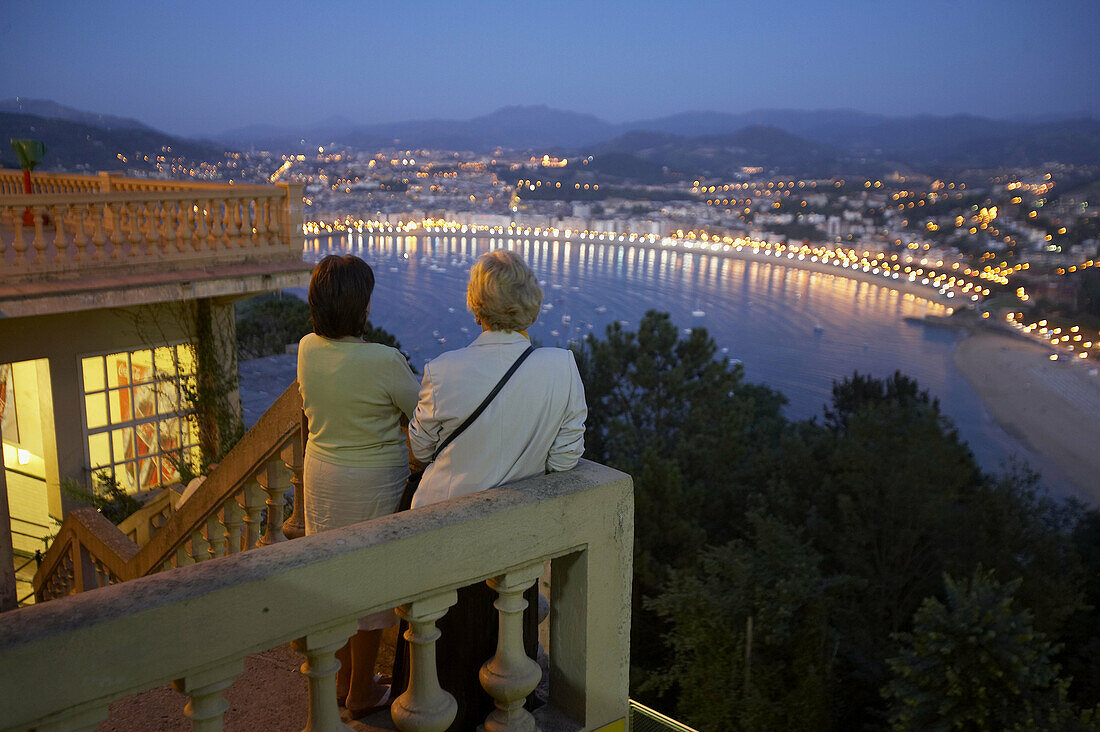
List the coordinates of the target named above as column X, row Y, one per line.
column 206, row 67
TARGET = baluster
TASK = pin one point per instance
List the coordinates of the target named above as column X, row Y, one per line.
column 232, row 230
column 217, row 228
column 99, row 239
column 240, row 216
column 199, row 548
column 271, row 214
column 511, row 674
column 202, row 231
column 260, row 220
column 133, row 225
column 234, row 516
column 166, row 232
column 320, row 668
column 206, row 705
column 295, row 526
column 60, row 243
column 39, row 213
column 103, row 575
column 215, row 536
column 84, row 720
column 18, row 243
column 80, row 236
column 185, row 240
column 425, row 706
column 275, row 481
column 112, row 220
column 152, row 216
column 183, row 557
column 251, row 501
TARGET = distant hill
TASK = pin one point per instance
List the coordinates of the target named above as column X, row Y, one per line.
column 838, row 134
column 818, row 142
column 73, row 146
column 1076, row 141
column 759, row 145
column 53, row 110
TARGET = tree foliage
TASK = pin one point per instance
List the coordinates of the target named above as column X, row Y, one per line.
column 267, row 323
column 830, row 535
column 751, row 643
column 975, row 661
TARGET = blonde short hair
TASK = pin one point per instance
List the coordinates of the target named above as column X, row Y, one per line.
column 503, row 293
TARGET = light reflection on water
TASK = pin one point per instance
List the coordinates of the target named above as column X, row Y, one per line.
column 793, row 329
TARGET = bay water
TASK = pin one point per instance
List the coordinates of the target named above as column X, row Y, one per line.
column 795, row 330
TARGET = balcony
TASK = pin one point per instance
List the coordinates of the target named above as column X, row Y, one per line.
column 98, row 241
column 63, row 662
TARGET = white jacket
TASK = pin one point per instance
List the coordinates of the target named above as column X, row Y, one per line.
column 534, row 425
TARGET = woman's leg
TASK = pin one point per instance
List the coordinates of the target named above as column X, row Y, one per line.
column 343, row 676
column 363, row 692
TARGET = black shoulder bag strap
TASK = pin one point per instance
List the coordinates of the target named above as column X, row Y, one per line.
column 481, row 408
column 414, row 480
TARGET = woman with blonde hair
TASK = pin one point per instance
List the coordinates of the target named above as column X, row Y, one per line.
column 534, row 424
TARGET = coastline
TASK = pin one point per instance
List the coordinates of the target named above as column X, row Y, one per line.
column 1053, row 407
column 746, row 253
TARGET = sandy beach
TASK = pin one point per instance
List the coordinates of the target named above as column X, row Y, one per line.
column 1051, row 406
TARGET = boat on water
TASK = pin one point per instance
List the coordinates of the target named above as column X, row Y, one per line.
column 566, row 320
column 601, row 309
column 819, row 329
column 698, row 313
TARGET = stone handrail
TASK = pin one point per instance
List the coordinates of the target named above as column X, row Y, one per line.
column 221, row 517
column 11, row 183
column 194, row 625
column 134, row 226
column 88, row 552
column 142, row 524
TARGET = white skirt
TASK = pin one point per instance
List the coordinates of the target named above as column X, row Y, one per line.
column 338, row 496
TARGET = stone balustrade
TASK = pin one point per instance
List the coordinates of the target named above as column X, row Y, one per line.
column 223, row 517
column 193, row 625
column 77, row 226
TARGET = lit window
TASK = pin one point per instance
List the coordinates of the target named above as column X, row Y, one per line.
column 137, row 419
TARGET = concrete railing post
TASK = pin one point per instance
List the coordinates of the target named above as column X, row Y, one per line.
column 275, row 481
column 425, row 706
column 294, row 454
column 206, row 705
column 320, row 667
column 511, row 675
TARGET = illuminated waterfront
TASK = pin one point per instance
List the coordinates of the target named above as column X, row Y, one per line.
column 794, row 329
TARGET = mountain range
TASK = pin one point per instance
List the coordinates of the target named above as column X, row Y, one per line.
column 828, row 141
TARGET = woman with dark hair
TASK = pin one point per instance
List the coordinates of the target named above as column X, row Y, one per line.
column 354, row 395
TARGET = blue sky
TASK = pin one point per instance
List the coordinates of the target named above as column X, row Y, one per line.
column 204, row 66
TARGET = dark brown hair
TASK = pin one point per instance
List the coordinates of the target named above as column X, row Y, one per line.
column 339, row 294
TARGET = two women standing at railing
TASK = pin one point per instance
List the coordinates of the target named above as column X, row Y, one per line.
column 355, row 395
column 494, row 412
